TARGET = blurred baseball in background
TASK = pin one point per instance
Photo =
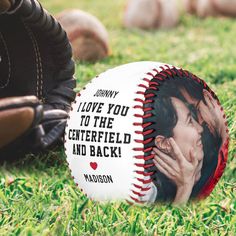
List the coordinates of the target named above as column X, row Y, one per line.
column 88, row 36
column 151, row 14
column 205, row 8
column 226, row 7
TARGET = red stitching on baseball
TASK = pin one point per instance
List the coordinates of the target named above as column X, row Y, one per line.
column 169, row 72
column 137, row 124
column 142, row 149
column 142, row 101
column 159, row 78
column 148, row 181
column 143, row 141
column 143, row 86
column 167, row 66
column 146, row 189
column 141, row 107
column 139, row 100
column 146, row 124
column 138, row 193
column 144, row 132
column 143, row 116
column 135, row 199
column 137, row 186
column 138, row 107
column 143, row 165
column 147, row 109
column 146, row 158
column 147, row 80
column 163, row 74
column 149, row 73
column 154, row 83
column 144, row 173
column 148, row 101
column 150, row 95
column 140, row 92
column 154, row 88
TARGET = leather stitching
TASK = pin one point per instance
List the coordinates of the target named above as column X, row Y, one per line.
column 9, row 62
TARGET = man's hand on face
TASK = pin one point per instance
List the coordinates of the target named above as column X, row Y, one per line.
column 211, row 113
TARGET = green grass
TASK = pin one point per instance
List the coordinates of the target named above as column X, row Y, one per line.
column 38, row 196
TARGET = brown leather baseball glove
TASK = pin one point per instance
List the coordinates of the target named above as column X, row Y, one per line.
column 35, row 59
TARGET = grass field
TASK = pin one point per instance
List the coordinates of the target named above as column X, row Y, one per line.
column 38, row 196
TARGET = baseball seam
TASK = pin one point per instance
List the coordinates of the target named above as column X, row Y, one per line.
column 138, row 189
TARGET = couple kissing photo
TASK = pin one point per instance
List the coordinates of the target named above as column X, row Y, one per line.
column 187, row 129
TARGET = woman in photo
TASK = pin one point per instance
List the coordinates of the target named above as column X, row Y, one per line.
column 178, row 135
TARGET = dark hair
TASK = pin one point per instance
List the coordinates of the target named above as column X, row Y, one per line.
column 166, row 117
column 163, row 120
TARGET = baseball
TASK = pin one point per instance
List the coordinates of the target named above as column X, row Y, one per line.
column 189, row 6
column 88, row 36
column 155, row 14
column 205, row 8
column 201, row 8
column 226, row 7
column 142, row 132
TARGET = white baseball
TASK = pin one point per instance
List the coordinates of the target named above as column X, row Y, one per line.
column 205, row 8
column 103, row 141
column 190, row 6
column 87, row 35
column 226, row 7
column 170, row 13
column 151, row 14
